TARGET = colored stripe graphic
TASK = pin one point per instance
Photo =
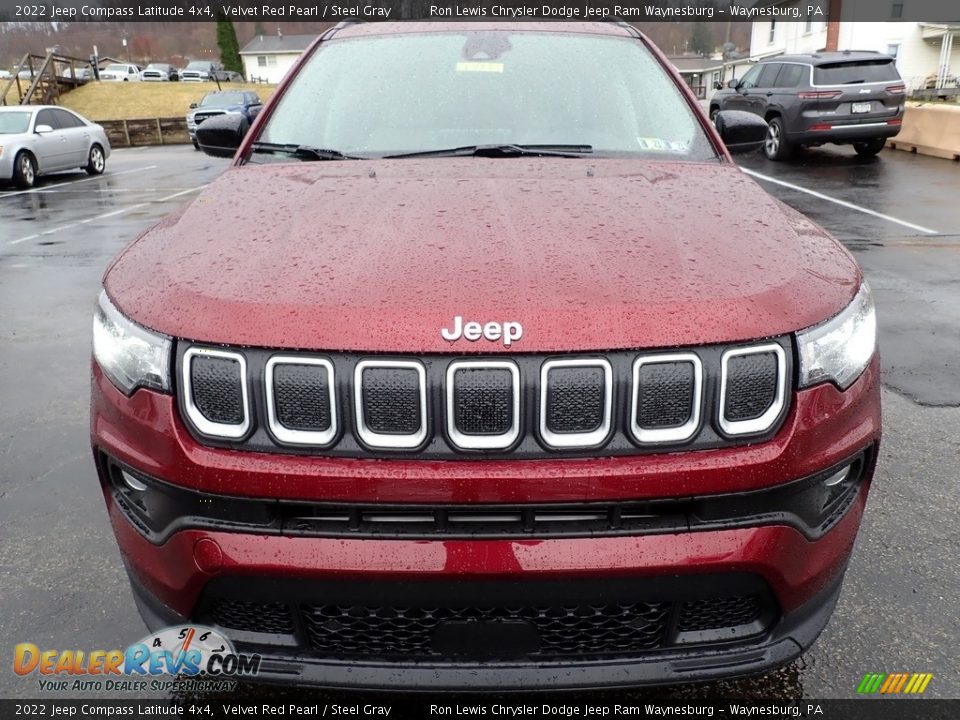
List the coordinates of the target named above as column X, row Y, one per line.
column 894, row 684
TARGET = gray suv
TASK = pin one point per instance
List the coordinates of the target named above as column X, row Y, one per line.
column 847, row 98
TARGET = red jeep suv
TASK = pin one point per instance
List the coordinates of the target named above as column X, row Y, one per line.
column 508, row 377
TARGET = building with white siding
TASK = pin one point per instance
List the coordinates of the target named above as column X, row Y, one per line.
column 267, row 58
column 925, row 52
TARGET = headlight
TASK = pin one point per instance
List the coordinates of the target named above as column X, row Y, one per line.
column 131, row 356
column 840, row 349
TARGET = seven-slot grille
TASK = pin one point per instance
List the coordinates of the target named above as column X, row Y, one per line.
column 521, row 406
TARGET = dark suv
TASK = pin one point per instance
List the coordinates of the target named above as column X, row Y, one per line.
column 842, row 97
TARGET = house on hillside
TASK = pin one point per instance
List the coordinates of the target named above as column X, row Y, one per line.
column 700, row 73
column 267, row 58
column 925, row 52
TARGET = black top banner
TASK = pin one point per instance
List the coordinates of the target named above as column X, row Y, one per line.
column 927, row 11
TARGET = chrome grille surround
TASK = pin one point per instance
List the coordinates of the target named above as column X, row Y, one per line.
column 280, row 432
column 588, row 439
column 769, row 417
column 466, row 441
column 415, row 423
column 683, row 432
column 390, row 441
column 233, row 431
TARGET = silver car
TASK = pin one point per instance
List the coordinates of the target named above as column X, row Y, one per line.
column 40, row 139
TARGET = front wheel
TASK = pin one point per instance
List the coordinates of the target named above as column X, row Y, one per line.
column 776, row 146
column 714, row 111
column 96, row 161
column 24, row 171
column 869, row 148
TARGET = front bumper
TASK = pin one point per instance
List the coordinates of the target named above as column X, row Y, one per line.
column 173, row 577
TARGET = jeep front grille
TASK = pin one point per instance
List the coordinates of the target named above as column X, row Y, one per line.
column 515, row 406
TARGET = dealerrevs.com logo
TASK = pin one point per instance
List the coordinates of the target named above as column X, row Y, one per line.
column 187, row 652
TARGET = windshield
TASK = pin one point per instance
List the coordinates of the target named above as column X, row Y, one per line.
column 116, row 68
column 157, row 66
column 14, row 122
column 198, row 65
column 222, row 100
column 433, row 91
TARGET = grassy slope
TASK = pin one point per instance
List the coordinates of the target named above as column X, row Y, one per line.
column 127, row 101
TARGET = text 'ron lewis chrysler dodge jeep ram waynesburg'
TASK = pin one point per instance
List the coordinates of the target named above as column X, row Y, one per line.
column 506, row 378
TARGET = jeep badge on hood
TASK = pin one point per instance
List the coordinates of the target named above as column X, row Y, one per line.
column 509, row 332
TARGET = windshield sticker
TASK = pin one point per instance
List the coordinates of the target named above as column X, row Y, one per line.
column 660, row 145
column 487, row 67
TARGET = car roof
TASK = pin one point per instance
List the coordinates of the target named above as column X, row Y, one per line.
column 827, row 58
column 366, row 29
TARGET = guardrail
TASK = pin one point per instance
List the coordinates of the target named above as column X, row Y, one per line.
column 146, row 131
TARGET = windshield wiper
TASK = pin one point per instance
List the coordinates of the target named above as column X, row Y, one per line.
column 304, row 152
column 502, row 150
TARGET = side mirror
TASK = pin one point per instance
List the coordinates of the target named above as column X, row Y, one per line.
column 43, row 129
column 733, row 84
column 193, row 106
column 221, row 135
column 741, row 132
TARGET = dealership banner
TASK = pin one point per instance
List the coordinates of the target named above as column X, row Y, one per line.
column 927, row 11
column 541, row 707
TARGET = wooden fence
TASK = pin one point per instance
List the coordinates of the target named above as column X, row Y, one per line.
column 146, row 131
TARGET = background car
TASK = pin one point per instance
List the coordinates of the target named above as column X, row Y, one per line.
column 40, row 139
column 237, row 102
column 847, row 98
column 121, row 72
column 228, row 76
column 5, row 75
column 160, row 72
column 200, row 71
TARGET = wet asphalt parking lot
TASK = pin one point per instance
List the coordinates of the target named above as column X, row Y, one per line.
column 61, row 580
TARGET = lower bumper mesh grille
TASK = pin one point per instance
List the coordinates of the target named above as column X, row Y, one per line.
column 561, row 630
column 457, row 621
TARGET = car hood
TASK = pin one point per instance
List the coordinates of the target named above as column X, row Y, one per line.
column 380, row 255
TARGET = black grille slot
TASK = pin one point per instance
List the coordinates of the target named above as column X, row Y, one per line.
column 262, row 617
column 217, row 388
column 575, row 399
column 665, row 394
column 302, row 397
column 563, row 630
column 717, row 613
column 483, row 401
column 751, row 386
column 391, row 400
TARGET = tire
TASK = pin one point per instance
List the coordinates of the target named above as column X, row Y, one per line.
column 24, row 170
column 713, row 114
column 196, row 145
column 96, row 162
column 870, row 148
column 776, row 146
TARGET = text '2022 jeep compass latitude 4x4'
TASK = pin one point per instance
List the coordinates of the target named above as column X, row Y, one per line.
column 509, row 378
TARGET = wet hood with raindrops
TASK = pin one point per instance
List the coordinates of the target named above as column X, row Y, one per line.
column 588, row 254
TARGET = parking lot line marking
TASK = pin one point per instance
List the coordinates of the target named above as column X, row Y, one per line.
column 104, row 216
column 841, row 203
column 49, row 188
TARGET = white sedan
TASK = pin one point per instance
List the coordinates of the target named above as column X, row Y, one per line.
column 40, row 139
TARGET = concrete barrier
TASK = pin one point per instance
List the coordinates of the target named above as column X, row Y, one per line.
column 932, row 129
